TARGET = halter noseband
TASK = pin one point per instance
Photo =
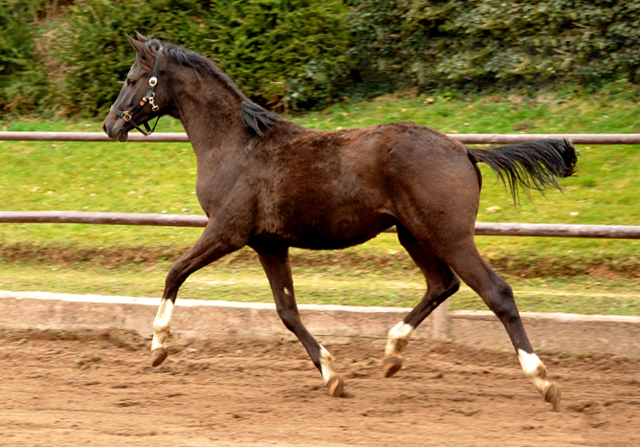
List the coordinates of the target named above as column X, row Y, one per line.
column 127, row 115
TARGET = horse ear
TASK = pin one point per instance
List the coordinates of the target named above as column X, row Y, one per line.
column 137, row 45
column 140, row 37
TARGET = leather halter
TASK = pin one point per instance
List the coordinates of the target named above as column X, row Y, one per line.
column 127, row 115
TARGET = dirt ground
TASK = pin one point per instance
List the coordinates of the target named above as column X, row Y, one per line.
column 97, row 389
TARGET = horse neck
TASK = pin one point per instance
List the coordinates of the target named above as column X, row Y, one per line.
column 210, row 112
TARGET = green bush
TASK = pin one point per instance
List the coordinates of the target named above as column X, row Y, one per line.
column 302, row 54
column 288, row 52
column 283, row 52
column 91, row 45
column 23, row 79
column 436, row 44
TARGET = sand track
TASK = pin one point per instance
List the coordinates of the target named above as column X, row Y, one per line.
column 97, row 389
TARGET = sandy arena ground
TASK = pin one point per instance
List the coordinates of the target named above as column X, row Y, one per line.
column 97, row 389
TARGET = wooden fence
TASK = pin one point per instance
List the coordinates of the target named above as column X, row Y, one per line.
column 482, row 228
column 471, row 138
column 181, row 220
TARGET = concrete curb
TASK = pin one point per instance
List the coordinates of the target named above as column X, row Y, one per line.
column 551, row 332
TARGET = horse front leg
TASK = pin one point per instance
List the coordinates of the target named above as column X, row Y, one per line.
column 211, row 246
column 276, row 265
column 161, row 331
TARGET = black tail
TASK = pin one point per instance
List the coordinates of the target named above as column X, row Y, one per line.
column 535, row 165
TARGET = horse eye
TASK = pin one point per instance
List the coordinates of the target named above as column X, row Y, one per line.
column 131, row 82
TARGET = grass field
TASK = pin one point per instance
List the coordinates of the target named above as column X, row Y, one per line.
column 157, row 178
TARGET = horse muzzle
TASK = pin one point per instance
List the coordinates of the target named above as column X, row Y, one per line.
column 114, row 129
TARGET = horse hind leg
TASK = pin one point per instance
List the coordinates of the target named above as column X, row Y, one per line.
column 441, row 284
column 276, row 265
column 464, row 258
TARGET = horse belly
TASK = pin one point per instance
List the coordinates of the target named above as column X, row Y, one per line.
column 344, row 234
column 329, row 202
column 324, row 232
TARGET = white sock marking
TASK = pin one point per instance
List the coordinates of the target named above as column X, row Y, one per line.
column 534, row 369
column 326, row 363
column 162, row 324
column 399, row 337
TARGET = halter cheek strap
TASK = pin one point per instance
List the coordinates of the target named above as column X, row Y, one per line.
column 127, row 115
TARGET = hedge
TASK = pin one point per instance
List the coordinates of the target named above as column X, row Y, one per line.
column 23, row 78
column 287, row 53
column 90, row 42
column 458, row 43
column 303, row 54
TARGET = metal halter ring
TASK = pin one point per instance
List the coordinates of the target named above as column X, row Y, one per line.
column 153, row 81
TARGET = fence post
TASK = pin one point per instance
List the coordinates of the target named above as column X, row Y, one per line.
column 441, row 329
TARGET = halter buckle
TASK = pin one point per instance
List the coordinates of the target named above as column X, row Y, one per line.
column 154, row 107
column 126, row 116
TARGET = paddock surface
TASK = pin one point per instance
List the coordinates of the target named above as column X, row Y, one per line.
column 96, row 388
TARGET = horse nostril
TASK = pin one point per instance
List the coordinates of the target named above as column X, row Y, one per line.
column 104, row 128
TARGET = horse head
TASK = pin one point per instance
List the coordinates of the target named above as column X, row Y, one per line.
column 142, row 97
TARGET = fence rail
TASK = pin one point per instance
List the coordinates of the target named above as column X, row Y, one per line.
column 482, row 228
column 464, row 138
column 181, row 220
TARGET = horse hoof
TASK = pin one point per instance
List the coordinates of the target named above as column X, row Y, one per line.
column 391, row 365
column 158, row 356
column 335, row 385
column 553, row 396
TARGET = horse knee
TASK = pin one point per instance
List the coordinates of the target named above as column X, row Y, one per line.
column 504, row 290
column 453, row 286
column 444, row 288
column 502, row 302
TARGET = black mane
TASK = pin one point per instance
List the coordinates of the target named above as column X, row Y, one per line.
column 256, row 117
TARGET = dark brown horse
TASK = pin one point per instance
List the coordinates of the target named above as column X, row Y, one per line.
column 271, row 184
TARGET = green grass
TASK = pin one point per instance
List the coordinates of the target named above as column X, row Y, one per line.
column 157, row 178
column 329, row 285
